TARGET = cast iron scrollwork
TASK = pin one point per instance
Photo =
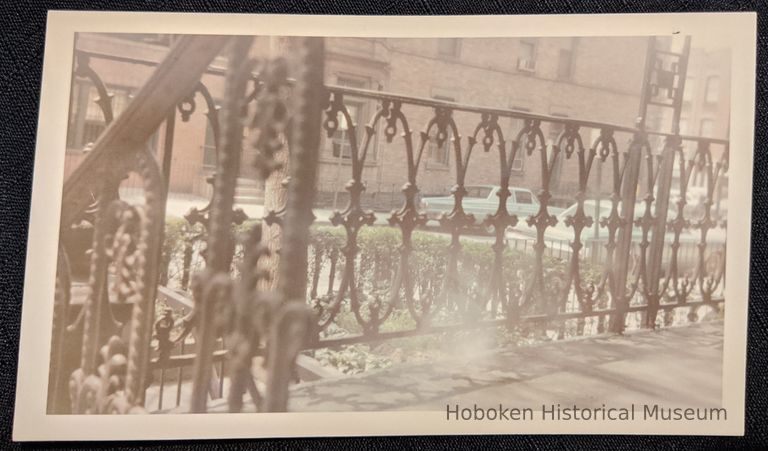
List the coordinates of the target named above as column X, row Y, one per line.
column 212, row 287
column 498, row 295
column 113, row 369
column 533, row 139
column 104, row 100
column 681, row 285
column 457, row 220
column 408, row 216
column 710, row 267
column 353, row 217
column 570, row 141
column 186, row 108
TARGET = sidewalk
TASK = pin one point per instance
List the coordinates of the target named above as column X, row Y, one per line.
column 672, row 367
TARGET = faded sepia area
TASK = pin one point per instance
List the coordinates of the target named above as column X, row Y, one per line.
column 347, row 224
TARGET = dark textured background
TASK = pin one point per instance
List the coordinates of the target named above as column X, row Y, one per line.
column 22, row 28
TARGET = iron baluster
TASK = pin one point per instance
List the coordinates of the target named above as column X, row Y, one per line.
column 292, row 324
column 253, row 302
column 407, row 218
column 457, row 219
column 654, row 289
column 629, row 180
column 712, row 171
column 501, row 219
column 542, row 219
column 104, row 100
column 585, row 295
column 213, row 287
column 353, row 217
column 680, row 288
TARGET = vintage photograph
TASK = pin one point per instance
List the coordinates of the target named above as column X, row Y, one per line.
column 462, row 200
column 492, row 226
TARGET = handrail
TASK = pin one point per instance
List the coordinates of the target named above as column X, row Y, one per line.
column 510, row 113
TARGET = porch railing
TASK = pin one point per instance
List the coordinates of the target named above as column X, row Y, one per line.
column 655, row 260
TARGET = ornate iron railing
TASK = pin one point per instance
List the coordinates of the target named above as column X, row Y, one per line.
column 236, row 315
column 628, row 289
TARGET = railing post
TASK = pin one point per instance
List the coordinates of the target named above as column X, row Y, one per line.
column 213, row 285
column 624, row 245
column 663, row 187
column 293, row 323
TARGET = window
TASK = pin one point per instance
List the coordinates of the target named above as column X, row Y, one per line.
column 707, row 128
column 526, row 60
column 523, row 197
column 341, row 144
column 478, row 192
column 712, row 93
column 350, row 82
column 565, row 64
column 86, row 121
column 518, row 164
column 440, row 155
column 527, row 50
column 565, row 60
column 555, row 129
column 448, row 47
column 690, row 86
column 209, row 148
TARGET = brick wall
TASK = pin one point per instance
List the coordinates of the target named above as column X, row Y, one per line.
column 602, row 83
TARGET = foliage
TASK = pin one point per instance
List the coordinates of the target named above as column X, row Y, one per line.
column 377, row 268
column 352, row 359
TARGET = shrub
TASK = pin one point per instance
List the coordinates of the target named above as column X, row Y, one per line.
column 377, row 267
column 378, row 262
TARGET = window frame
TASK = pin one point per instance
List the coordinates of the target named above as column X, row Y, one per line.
column 432, row 148
column 340, row 139
column 710, row 98
column 209, row 149
column 81, row 101
column 568, row 74
column 531, row 67
column 477, row 189
column 516, row 192
column 711, row 123
column 515, row 126
column 688, row 92
column 555, row 176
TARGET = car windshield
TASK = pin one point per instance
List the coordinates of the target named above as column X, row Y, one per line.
column 479, row 192
column 524, row 197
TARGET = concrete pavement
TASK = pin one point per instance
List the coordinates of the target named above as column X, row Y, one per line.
column 674, row 367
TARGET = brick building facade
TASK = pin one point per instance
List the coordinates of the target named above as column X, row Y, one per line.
column 586, row 78
column 589, row 78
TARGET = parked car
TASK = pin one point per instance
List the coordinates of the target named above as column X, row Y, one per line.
column 483, row 200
